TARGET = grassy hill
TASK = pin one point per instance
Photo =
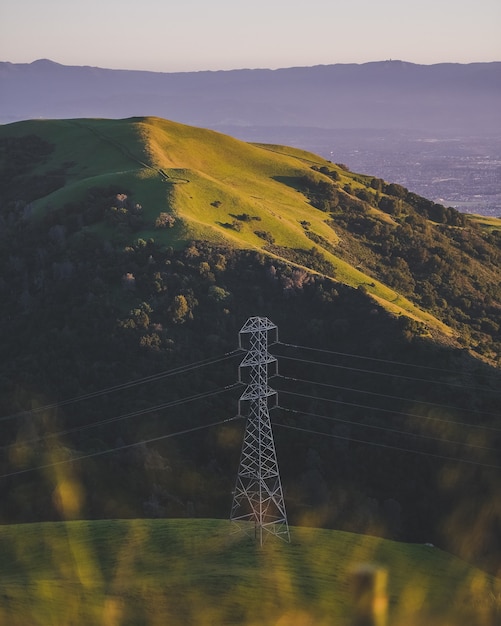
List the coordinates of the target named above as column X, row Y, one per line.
column 132, row 248
column 206, row 180
column 276, row 199
column 135, row 572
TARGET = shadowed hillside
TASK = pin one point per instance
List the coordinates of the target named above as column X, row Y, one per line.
column 134, row 250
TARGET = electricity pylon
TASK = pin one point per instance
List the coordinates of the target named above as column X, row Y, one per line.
column 258, row 503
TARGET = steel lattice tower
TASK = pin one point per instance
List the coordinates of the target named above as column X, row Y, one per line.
column 258, row 502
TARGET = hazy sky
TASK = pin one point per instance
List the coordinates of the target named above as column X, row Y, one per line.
column 188, row 35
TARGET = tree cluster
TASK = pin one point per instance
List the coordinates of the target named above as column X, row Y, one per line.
column 430, row 253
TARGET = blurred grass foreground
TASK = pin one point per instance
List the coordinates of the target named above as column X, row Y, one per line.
column 173, row 572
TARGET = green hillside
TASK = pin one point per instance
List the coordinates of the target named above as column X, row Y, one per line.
column 217, row 188
column 132, row 253
column 195, row 572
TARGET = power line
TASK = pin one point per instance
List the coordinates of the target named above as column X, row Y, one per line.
column 373, row 408
column 118, row 448
column 387, row 446
column 370, row 358
column 388, row 374
column 385, row 428
column 140, row 381
column 391, row 397
column 118, row 418
column 226, row 356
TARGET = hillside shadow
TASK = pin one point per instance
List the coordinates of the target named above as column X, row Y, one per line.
column 228, row 225
column 291, row 181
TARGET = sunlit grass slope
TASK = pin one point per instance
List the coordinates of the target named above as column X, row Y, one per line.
column 489, row 223
column 181, row 572
column 238, row 178
column 206, row 180
column 170, row 166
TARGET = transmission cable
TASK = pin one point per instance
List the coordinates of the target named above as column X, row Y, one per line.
column 391, row 397
column 373, row 408
column 388, row 374
column 371, row 358
column 385, row 428
column 118, row 448
column 140, row 381
column 119, row 418
column 387, row 446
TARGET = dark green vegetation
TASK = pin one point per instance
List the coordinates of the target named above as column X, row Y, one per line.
column 134, row 247
column 179, row 572
column 432, row 254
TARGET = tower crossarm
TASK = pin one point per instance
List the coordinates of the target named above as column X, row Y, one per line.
column 255, row 357
column 254, row 392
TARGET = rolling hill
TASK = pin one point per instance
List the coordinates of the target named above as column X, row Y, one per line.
column 207, row 180
column 134, row 250
column 145, row 572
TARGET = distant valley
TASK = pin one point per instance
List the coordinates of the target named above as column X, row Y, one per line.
column 462, row 172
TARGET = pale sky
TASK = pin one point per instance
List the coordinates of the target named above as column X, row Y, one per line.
column 191, row 35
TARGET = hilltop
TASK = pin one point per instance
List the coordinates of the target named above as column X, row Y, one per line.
column 140, row 246
column 290, row 203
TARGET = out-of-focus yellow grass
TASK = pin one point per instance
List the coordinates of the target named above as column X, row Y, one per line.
column 118, row 572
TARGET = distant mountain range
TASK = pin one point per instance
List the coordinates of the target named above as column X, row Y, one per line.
column 450, row 98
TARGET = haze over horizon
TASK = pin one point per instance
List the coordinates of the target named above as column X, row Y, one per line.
column 195, row 36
